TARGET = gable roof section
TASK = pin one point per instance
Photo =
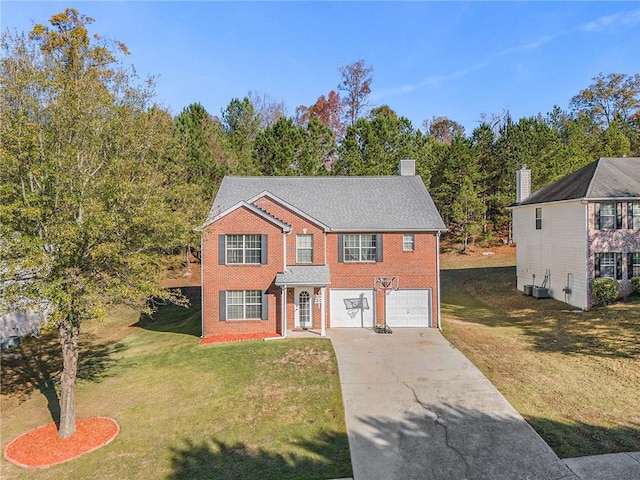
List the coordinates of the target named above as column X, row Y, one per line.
column 384, row 203
column 288, row 206
column 606, row 178
column 242, row 204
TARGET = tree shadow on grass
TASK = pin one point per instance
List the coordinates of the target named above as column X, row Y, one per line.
column 431, row 441
column 324, row 457
column 488, row 296
column 36, row 365
column 175, row 319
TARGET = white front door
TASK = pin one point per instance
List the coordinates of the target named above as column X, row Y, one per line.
column 304, row 307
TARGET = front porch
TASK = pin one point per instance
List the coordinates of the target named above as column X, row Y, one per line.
column 303, row 302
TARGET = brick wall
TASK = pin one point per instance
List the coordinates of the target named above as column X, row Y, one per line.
column 416, row 269
column 240, row 277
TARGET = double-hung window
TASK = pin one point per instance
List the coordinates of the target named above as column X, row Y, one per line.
column 242, row 249
column 633, row 215
column 538, row 218
column 633, row 265
column 608, row 215
column 304, row 248
column 608, row 265
column 408, row 242
column 243, row 304
column 360, row 247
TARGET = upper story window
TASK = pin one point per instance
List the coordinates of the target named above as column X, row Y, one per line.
column 538, row 218
column 360, row 248
column 633, row 265
column 242, row 249
column 633, row 215
column 608, row 215
column 304, row 248
column 608, row 265
column 408, row 242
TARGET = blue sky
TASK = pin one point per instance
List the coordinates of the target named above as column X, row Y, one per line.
column 455, row 59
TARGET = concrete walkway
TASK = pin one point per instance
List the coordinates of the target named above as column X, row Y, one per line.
column 416, row 408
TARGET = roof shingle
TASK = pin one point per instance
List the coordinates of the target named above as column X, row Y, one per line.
column 384, row 203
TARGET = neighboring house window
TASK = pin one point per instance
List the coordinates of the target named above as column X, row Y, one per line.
column 304, row 248
column 408, row 242
column 633, row 265
column 242, row 249
column 538, row 218
column 608, row 265
column 241, row 304
column 360, row 248
column 633, row 215
column 608, row 216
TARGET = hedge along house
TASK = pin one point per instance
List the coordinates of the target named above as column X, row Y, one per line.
column 283, row 253
column 584, row 226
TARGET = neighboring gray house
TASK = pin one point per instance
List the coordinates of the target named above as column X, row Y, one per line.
column 583, row 226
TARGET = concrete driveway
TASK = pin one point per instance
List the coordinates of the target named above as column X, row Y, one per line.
column 416, row 408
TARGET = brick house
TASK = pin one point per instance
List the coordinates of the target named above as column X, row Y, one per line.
column 284, row 253
column 584, row 226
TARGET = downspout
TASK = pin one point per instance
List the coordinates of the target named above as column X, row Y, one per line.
column 202, row 284
column 284, row 288
column 323, row 313
column 438, row 276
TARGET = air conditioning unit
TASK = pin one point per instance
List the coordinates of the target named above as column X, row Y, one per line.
column 528, row 290
column 540, row 292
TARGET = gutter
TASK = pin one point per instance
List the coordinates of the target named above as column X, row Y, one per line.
column 201, row 284
column 438, row 281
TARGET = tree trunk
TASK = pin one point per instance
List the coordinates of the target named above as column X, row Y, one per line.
column 69, row 332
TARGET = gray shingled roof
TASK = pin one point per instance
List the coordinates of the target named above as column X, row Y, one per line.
column 617, row 178
column 317, row 275
column 385, row 203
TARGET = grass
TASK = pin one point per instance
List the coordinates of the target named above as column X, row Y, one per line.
column 244, row 410
column 574, row 377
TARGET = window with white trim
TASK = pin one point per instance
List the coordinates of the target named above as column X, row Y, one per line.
column 244, row 248
column 244, row 304
column 633, row 265
column 608, row 265
column 538, row 218
column 608, row 215
column 359, row 248
column 408, row 242
column 304, row 248
column 633, row 215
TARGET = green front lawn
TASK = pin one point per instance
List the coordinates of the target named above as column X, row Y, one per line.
column 244, row 410
column 574, row 376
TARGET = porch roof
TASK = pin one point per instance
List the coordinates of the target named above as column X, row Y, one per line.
column 312, row 275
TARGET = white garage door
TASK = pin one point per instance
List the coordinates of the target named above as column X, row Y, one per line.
column 351, row 308
column 409, row 308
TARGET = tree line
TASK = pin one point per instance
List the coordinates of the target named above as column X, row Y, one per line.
column 98, row 183
column 470, row 175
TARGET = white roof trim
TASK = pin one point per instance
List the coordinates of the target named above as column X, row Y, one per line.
column 242, row 204
column 275, row 198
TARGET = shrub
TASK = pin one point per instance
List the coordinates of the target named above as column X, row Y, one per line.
column 635, row 281
column 604, row 291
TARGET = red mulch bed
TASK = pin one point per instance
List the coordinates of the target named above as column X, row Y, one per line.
column 42, row 447
column 236, row 337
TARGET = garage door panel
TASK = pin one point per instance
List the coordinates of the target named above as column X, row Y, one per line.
column 351, row 308
column 409, row 308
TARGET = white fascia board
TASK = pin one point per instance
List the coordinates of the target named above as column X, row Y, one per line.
column 285, row 227
column 285, row 204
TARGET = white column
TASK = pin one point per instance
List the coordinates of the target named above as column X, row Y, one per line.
column 284, row 311
column 323, row 313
